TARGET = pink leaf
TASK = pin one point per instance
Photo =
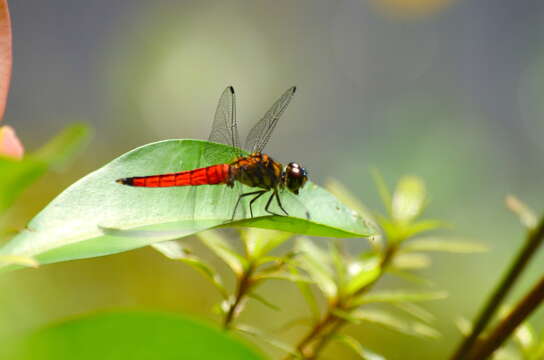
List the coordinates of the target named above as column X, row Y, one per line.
column 10, row 146
column 5, row 55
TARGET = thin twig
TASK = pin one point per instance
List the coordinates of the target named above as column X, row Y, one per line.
column 505, row 328
column 303, row 346
column 534, row 240
column 244, row 285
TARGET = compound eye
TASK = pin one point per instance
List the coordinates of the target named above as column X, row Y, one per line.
column 296, row 177
column 295, row 172
column 293, row 165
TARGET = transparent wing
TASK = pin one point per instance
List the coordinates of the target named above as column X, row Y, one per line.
column 261, row 132
column 225, row 128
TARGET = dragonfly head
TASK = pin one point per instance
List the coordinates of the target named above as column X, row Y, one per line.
column 295, row 176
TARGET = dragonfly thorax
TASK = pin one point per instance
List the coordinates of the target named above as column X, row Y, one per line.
column 260, row 170
column 257, row 170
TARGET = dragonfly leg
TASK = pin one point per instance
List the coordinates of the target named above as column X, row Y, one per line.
column 279, row 203
column 261, row 193
column 270, row 202
column 258, row 193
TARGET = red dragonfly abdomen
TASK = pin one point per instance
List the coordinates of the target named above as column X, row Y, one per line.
column 211, row 175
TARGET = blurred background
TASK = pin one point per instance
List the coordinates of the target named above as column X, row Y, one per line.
column 449, row 90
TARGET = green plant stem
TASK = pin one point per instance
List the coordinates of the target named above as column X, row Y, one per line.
column 304, row 345
column 324, row 330
column 534, row 240
column 243, row 287
column 505, row 328
column 326, row 338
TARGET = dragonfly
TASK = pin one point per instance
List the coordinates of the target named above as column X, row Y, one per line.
column 257, row 170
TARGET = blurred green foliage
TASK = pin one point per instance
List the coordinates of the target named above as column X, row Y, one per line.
column 136, row 335
column 17, row 175
column 346, row 281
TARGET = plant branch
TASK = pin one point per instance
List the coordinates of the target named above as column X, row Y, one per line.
column 243, row 287
column 323, row 331
column 304, row 346
column 534, row 240
column 505, row 328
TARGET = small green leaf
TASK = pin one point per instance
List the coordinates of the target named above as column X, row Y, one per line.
column 174, row 250
column 525, row 336
column 64, row 146
column 260, row 242
column 409, row 199
column 397, row 232
column 382, row 190
column 421, row 226
column 414, row 328
column 17, row 175
column 250, row 330
column 70, row 227
column 411, row 261
column 263, row 301
column 339, row 262
column 416, row 311
column 306, row 291
column 282, row 275
column 135, row 335
column 396, row 296
column 267, row 264
column 223, row 250
column 307, row 322
column 410, row 277
column 437, row 244
column 361, row 273
column 346, row 315
column 464, row 325
column 507, row 353
column 526, row 215
column 18, row 260
column 317, row 264
column 356, row 346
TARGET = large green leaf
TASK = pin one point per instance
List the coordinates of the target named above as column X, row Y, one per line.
column 70, row 227
column 130, row 335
